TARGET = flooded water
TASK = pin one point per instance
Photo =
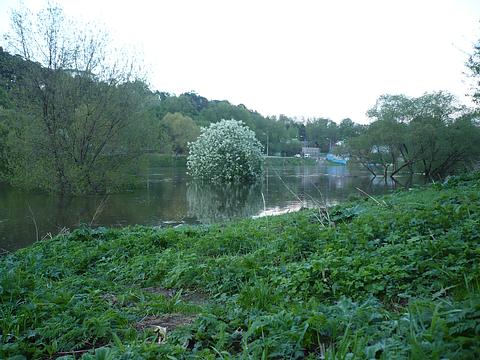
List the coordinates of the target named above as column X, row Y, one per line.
column 170, row 197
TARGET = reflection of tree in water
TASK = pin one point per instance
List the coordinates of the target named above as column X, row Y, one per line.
column 217, row 203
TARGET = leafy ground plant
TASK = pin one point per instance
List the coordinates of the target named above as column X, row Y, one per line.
column 392, row 281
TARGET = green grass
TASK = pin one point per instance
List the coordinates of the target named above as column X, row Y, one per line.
column 394, row 278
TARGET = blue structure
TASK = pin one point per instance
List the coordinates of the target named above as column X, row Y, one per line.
column 335, row 159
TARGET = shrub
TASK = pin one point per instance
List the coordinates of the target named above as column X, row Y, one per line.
column 226, row 151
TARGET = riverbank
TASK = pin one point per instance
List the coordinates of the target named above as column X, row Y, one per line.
column 385, row 277
column 181, row 160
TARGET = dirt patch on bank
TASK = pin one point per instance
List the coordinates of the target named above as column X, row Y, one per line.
column 168, row 321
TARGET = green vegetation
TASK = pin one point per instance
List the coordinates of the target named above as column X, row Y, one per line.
column 177, row 131
column 391, row 278
column 324, row 133
column 280, row 134
column 75, row 118
column 226, row 151
column 430, row 134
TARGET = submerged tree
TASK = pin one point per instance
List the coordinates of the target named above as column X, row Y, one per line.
column 84, row 115
column 226, row 151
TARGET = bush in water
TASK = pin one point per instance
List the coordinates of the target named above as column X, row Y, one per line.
column 226, row 151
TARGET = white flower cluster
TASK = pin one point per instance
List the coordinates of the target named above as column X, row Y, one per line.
column 226, row 151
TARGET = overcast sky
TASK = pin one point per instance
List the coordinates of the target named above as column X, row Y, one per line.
column 299, row 58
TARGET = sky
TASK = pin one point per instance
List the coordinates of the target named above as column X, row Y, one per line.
column 301, row 58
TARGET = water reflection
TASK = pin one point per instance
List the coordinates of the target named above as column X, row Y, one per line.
column 217, row 203
column 169, row 197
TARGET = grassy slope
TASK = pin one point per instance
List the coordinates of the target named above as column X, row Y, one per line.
column 394, row 279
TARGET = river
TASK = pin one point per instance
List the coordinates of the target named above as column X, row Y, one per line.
column 171, row 198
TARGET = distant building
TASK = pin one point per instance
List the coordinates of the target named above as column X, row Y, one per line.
column 311, row 151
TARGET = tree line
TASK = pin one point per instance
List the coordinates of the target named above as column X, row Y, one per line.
column 431, row 134
column 76, row 117
column 65, row 129
column 182, row 116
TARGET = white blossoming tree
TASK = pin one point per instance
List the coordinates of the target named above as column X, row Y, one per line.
column 226, row 151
